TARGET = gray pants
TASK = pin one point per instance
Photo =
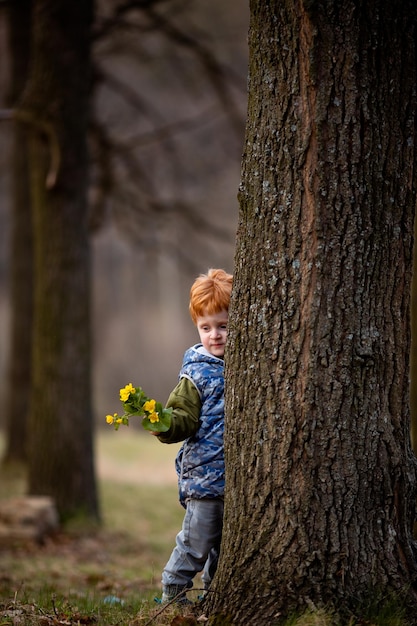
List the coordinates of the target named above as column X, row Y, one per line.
column 197, row 544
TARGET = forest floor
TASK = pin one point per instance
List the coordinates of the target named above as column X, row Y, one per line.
column 110, row 575
column 105, row 575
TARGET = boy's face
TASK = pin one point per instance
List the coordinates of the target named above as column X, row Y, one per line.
column 213, row 332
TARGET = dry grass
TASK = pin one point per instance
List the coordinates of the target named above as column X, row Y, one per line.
column 124, row 559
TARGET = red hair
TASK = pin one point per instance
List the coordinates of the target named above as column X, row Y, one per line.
column 210, row 294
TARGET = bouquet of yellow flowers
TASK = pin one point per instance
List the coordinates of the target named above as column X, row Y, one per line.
column 135, row 402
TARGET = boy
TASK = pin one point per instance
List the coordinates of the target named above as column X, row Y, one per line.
column 198, row 418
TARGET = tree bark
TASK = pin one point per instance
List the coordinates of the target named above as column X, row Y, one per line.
column 57, row 108
column 320, row 475
column 413, row 358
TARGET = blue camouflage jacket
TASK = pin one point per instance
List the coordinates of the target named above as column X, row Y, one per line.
column 200, row 460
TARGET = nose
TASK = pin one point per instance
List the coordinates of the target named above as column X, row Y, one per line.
column 215, row 332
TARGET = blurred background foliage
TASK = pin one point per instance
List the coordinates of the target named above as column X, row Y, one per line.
column 167, row 126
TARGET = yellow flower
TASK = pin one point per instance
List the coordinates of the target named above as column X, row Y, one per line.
column 154, row 417
column 119, row 420
column 149, row 406
column 110, row 418
column 126, row 391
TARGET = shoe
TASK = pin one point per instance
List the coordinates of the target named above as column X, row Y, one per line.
column 176, row 594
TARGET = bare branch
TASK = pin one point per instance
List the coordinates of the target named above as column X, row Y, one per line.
column 167, row 131
column 128, row 93
column 117, row 20
column 220, row 75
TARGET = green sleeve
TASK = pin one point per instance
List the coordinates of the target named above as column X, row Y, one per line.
column 186, row 404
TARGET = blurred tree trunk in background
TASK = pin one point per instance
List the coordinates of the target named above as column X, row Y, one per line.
column 126, row 175
column 57, row 105
column 21, row 261
column 321, row 478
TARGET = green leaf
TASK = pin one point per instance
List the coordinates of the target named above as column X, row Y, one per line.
column 164, row 422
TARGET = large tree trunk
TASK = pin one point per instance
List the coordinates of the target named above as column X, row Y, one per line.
column 57, row 103
column 320, row 474
column 19, row 371
column 413, row 358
